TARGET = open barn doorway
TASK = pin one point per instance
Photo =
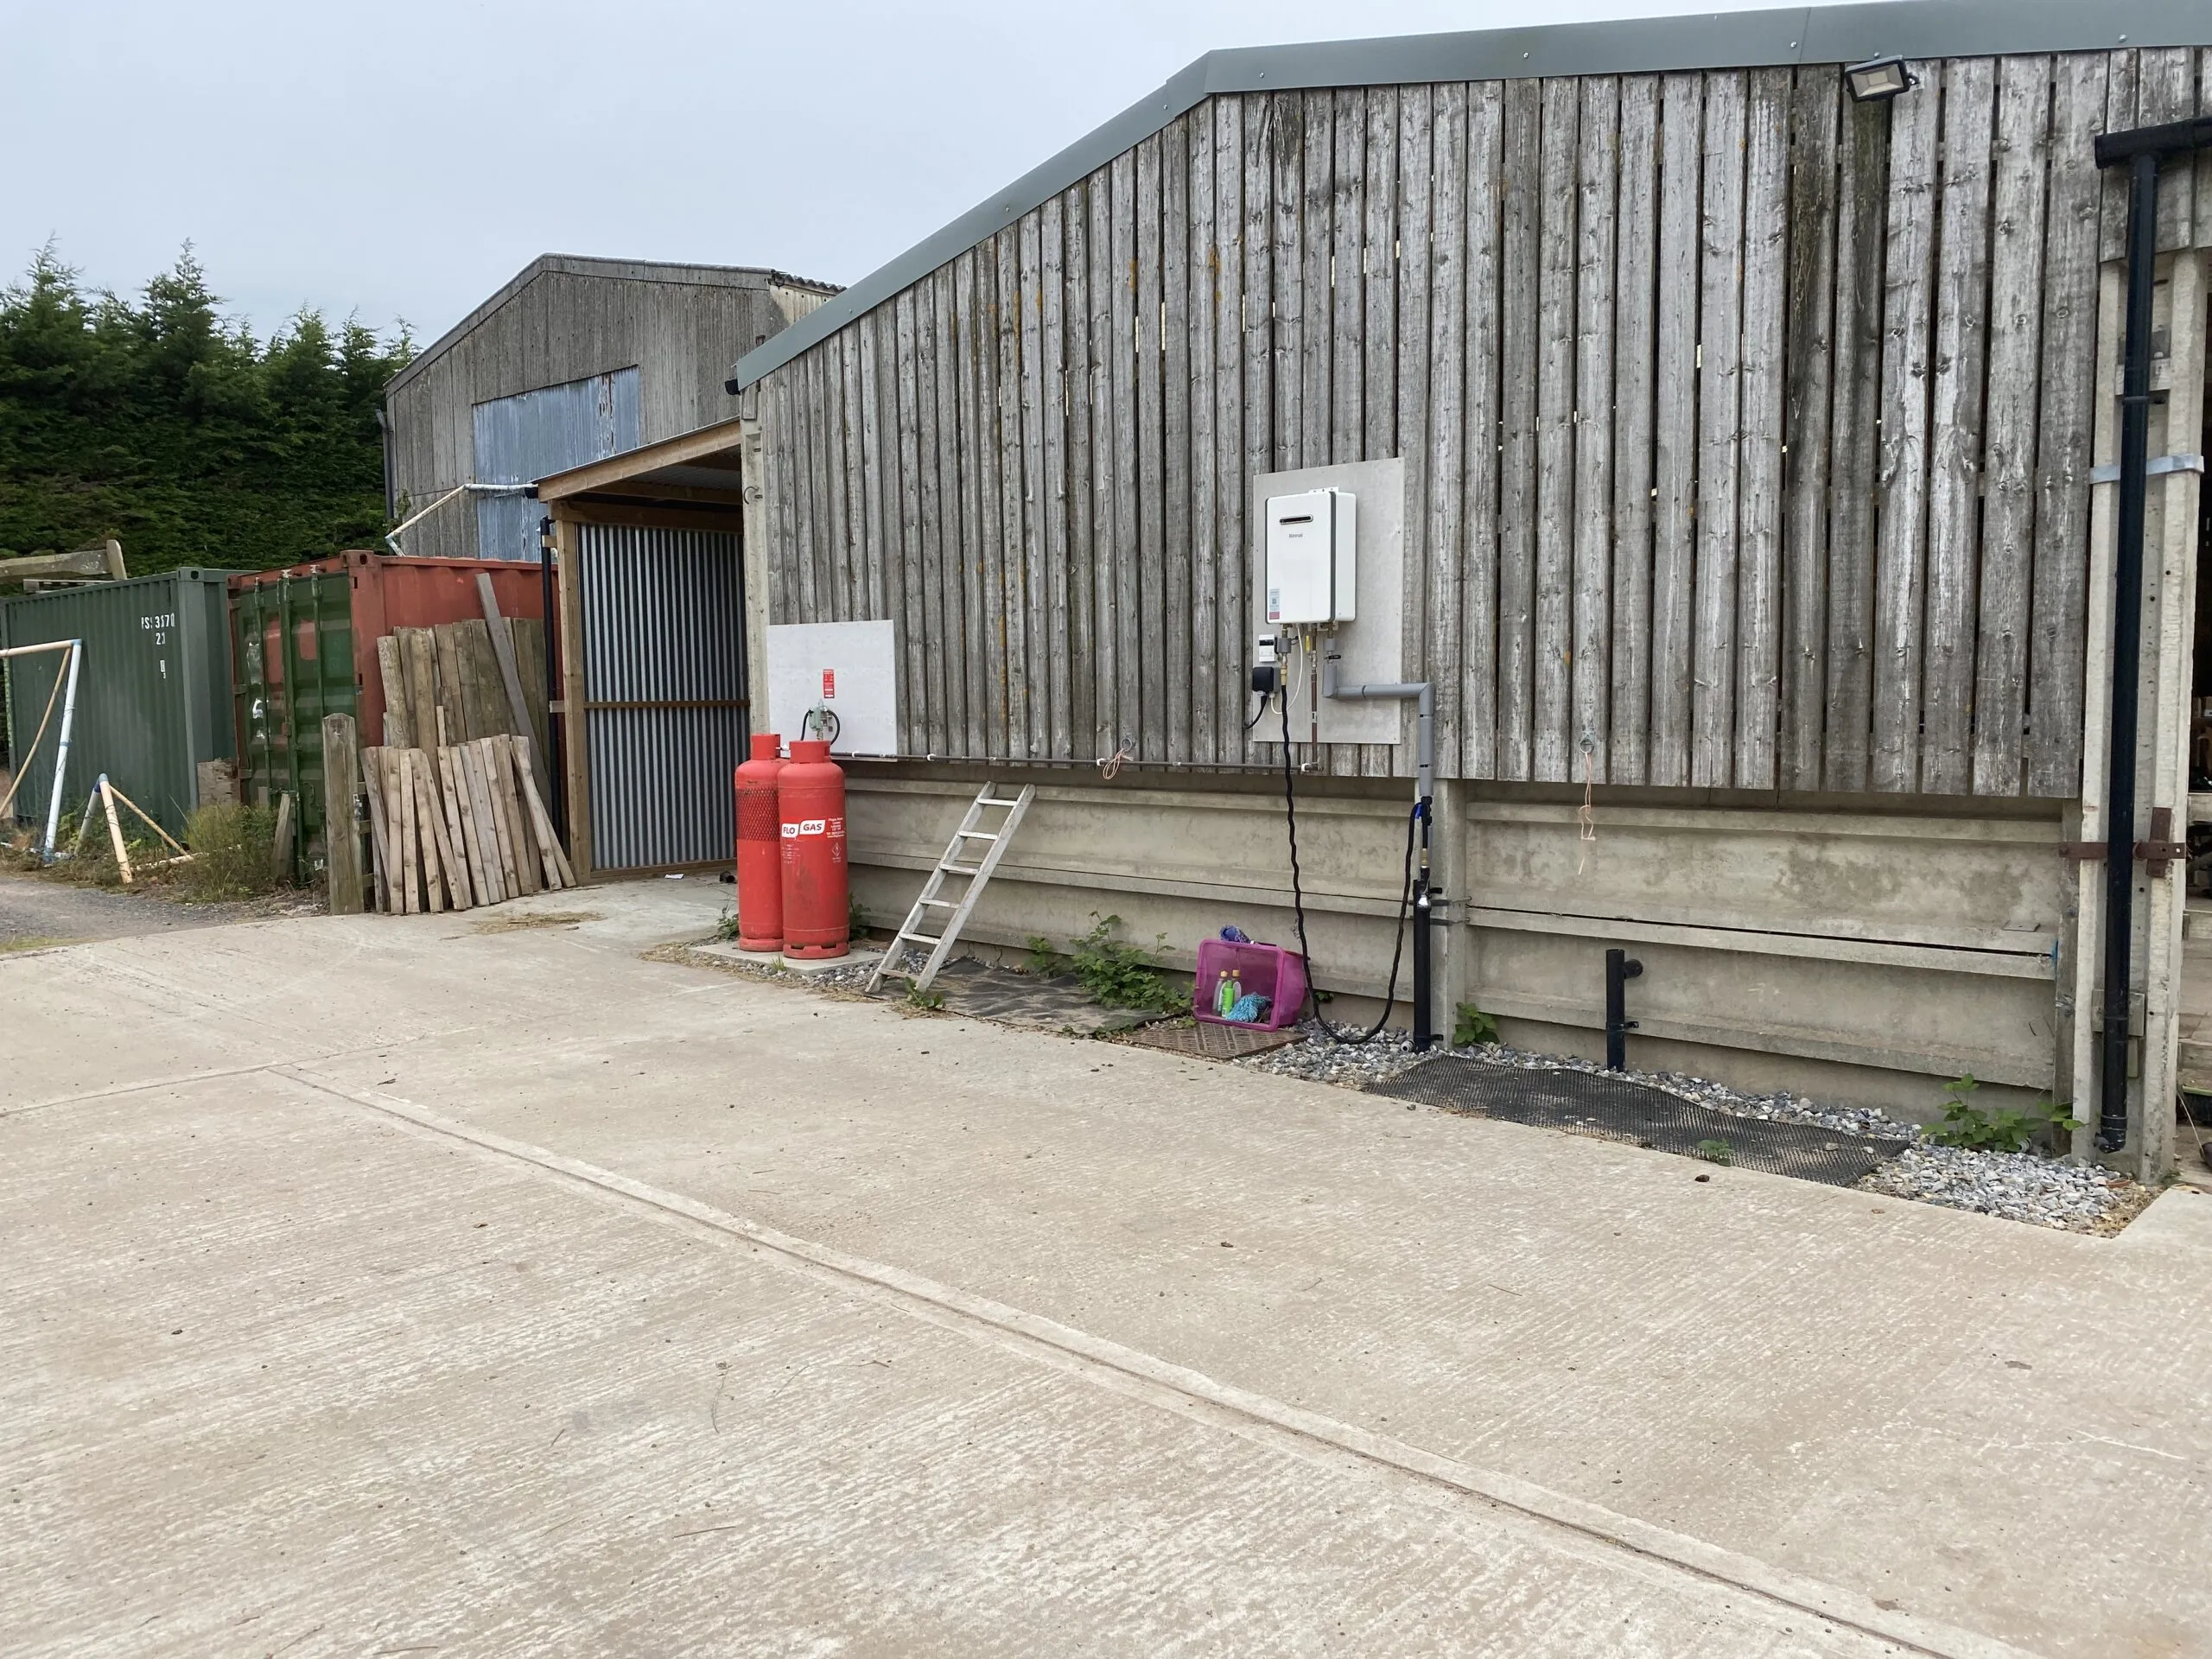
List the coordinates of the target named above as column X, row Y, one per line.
column 657, row 624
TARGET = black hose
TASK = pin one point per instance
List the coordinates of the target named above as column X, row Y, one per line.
column 1298, row 898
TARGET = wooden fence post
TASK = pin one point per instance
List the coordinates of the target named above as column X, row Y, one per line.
column 342, row 839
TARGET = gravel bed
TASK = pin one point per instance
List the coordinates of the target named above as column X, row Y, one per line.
column 852, row 980
column 1321, row 1058
column 2019, row 1186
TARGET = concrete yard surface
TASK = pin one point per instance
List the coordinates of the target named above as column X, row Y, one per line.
column 39, row 911
column 439, row 1285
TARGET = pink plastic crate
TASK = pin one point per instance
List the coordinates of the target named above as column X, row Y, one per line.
column 1267, row 969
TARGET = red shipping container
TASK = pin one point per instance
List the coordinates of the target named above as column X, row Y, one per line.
column 304, row 645
column 389, row 592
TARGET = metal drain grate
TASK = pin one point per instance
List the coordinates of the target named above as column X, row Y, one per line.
column 1215, row 1042
column 1613, row 1108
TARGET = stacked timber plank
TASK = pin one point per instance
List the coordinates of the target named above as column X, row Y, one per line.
column 447, row 683
column 459, row 825
column 456, row 818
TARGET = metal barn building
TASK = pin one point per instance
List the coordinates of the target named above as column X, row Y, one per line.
column 1743, row 460
column 574, row 360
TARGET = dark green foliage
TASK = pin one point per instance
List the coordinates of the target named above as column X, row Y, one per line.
column 164, row 425
column 1469, row 1026
column 1042, row 959
column 2008, row 1129
column 1119, row 976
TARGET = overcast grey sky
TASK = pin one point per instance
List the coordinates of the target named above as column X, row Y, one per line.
column 402, row 159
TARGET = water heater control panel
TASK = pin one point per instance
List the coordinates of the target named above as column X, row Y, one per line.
column 1311, row 557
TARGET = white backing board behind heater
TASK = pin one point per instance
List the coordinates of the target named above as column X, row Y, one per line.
column 847, row 667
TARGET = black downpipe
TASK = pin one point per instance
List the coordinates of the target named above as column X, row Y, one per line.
column 1424, row 1019
column 2127, row 649
column 2140, row 150
column 557, row 779
column 745, row 727
column 1619, row 970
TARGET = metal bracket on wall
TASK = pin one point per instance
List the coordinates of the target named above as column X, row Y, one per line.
column 2160, row 850
column 2109, row 473
column 2135, row 1016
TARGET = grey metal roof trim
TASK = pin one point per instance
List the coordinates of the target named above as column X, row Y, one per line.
column 584, row 265
column 1742, row 40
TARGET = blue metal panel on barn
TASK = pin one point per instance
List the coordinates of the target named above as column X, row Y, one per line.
column 532, row 435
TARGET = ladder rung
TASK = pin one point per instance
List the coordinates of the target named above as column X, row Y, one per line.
column 977, row 874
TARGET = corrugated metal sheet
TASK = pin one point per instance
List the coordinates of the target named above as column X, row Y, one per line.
column 522, row 439
column 663, row 616
column 153, row 697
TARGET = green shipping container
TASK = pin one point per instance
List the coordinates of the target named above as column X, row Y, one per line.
column 153, row 691
column 304, row 645
column 292, row 662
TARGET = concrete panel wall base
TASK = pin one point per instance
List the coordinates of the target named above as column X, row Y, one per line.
column 1858, row 956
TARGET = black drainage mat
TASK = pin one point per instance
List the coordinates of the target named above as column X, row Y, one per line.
column 1042, row 1002
column 1613, row 1108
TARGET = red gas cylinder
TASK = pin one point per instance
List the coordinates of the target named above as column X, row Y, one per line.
column 811, row 792
column 760, row 849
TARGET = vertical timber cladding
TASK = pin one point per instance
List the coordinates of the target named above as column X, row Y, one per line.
column 663, row 639
column 1746, row 429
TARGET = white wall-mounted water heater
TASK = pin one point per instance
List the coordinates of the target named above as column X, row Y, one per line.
column 1313, row 560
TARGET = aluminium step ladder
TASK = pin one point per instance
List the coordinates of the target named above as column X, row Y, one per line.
column 976, row 872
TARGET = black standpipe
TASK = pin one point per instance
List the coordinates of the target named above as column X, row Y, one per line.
column 1620, row 967
column 2140, row 152
column 1422, row 694
column 1424, row 1029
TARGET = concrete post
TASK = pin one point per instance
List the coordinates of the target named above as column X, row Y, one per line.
column 1455, row 958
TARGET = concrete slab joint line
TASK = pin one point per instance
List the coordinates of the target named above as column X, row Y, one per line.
column 1568, row 1521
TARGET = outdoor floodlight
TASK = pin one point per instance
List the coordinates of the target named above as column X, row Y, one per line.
column 1878, row 79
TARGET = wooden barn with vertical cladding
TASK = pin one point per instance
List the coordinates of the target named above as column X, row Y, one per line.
column 1742, row 446
column 571, row 360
